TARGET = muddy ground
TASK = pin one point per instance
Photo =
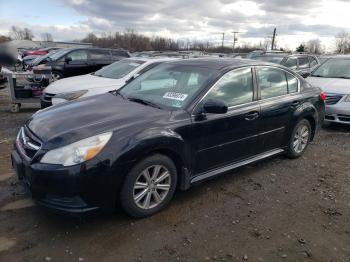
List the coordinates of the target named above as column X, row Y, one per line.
column 276, row 210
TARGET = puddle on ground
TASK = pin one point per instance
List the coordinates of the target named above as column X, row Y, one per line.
column 6, row 244
column 19, row 204
column 5, row 176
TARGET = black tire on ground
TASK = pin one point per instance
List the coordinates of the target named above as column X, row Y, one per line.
column 291, row 151
column 127, row 191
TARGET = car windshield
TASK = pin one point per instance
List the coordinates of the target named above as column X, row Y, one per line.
column 57, row 55
column 271, row 59
column 119, row 69
column 334, row 68
column 168, row 85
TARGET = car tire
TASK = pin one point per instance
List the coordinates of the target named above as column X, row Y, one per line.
column 56, row 75
column 141, row 196
column 299, row 139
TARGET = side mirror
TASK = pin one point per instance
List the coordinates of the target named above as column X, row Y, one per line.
column 68, row 59
column 305, row 75
column 214, row 106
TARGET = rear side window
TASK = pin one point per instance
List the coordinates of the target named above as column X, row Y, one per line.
column 303, row 62
column 119, row 53
column 100, row 55
column 234, row 88
column 272, row 82
column 291, row 63
column 313, row 61
column 292, row 83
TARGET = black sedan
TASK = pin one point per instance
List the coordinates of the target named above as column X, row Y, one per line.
column 175, row 125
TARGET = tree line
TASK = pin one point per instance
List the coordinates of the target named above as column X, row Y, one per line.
column 133, row 41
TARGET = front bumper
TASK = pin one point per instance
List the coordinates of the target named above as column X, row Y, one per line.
column 73, row 190
column 338, row 113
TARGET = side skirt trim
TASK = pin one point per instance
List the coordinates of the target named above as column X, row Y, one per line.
column 215, row 172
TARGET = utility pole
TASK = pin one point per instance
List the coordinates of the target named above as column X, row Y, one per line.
column 273, row 39
column 222, row 42
column 235, row 40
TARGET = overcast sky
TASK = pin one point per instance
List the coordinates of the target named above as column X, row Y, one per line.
column 296, row 20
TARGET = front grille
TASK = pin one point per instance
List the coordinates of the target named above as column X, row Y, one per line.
column 332, row 99
column 27, row 143
column 48, row 97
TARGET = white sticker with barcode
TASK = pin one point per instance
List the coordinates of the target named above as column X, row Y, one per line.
column 175, row 96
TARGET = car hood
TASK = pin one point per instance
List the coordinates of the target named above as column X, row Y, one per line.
column 331, row 85
column 69, row 122
column 83, row 82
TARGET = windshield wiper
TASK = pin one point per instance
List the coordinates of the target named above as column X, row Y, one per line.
column 117, row 92
column 144, row 102
column 317, row 76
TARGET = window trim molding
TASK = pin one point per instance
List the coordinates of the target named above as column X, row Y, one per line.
column 215, row 84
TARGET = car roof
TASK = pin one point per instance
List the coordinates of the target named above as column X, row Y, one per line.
column 152, row 59
column 338, row 56
column 219, row 63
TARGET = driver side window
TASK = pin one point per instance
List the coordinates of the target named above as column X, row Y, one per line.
column 79, row 55
column 234, row 88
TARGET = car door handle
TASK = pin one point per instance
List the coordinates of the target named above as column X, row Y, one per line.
column 251, row 116
column 295, row 103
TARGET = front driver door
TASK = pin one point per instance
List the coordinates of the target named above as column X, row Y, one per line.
column 77, row 63
column 220, row 139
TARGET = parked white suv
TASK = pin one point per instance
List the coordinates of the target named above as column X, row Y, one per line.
column 106, row 79
column 333, row 77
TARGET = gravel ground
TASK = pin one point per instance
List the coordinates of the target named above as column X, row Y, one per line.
column 276, row 210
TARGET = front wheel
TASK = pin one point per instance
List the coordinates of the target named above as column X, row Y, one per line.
column 149, row 186
column 299, row 139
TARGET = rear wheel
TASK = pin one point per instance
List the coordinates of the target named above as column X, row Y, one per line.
column 149, row 186
column 299, row 139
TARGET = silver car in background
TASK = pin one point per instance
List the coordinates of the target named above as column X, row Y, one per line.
column 333, row 77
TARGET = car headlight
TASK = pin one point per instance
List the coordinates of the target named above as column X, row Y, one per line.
column 347, row 98
column 77, row 152
column 71, row 95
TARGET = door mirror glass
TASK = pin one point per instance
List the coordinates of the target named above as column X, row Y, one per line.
column 68, row 59
column 214, row 106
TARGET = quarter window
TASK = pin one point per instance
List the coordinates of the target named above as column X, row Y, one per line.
column 234, row 88
column 303, row 62
column 272, row 82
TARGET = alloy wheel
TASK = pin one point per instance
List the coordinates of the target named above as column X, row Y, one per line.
column 301, row 139
column 151, row 186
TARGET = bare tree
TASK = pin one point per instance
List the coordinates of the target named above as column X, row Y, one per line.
column 47, row 37
column 342, row 42
column 314, row 46
column 18, row 33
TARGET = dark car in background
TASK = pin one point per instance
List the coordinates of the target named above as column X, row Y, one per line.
column 177, row 124
column 79, row 61
column 303, row 64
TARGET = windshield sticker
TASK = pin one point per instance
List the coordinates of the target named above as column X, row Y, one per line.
column 175, row 96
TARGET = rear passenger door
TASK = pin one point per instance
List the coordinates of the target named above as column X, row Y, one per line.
column 279, row 96
column 99, row 58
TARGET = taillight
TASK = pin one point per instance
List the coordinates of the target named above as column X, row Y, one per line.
column 322, row 96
